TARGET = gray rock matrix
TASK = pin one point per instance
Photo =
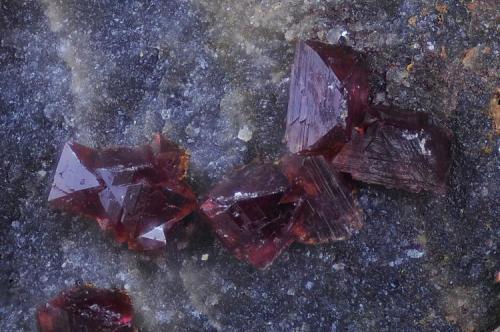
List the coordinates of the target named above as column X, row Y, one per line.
column 213, row 76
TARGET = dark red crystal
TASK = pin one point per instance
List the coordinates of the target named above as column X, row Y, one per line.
column 137, row 193
column 326, row 210
column 86, row 308
column 398, row 149
column 246, row 213
column 328, row 95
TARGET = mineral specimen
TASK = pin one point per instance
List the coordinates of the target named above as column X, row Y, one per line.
column 328, row 95
column 135, row 192
column 398, row 149
column 325, row 206
column 246, row 213
column 86, row 308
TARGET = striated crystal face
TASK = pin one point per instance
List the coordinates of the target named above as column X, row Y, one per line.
column 398, row 149
column 246, row 213
column 137, row 193
column 328, row 95
column 326, row 210
column 86, row 308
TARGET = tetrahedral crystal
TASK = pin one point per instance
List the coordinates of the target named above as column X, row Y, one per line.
column 398, row 149
column 137, row 193
column 328, row 95
column 247, row 215
column 326, row 210
column 86, row 308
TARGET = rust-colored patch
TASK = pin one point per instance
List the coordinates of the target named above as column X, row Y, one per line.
column 487, row 50
column 459, row 304
column 410, row 67
column 497, row 277
column 443, row 54
column 412, row 21
column 470, row 57
column 442, row 8
column 495, row 110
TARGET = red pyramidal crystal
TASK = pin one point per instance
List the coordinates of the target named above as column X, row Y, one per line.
column 326, row 210
column 398, row 149
column 86, row 308
column 328, row 95
column 247, row 215
column 137, row 193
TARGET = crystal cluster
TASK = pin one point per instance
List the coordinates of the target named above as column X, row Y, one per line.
column 334, row 135
column 261, row 209
column 86, row 308
column 329, row 114
column 137, row 193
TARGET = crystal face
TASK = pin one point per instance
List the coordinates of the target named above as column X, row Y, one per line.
column 328, row 95
column 326, row 210
column 398, row 149
column 246, row 213
column 86, row 308
column 137, row 193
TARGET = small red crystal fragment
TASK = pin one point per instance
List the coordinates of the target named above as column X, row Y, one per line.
column 328, row 95
column 86, row 308
column 398, row 149
column 135, row 192
column 247, row 215
column 326, row 210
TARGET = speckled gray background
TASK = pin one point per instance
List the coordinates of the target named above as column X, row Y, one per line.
column 203, row 71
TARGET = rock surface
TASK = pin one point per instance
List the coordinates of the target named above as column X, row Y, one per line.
column 114, row 72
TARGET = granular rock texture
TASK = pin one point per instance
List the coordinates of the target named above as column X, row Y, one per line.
column 200, row 71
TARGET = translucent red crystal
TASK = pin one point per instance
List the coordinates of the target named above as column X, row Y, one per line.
column 398, row 149
column 137, row 193
column 326, row 210
column 86, row 308
column 261, row 209
column 328, row 95
column 247, row 215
